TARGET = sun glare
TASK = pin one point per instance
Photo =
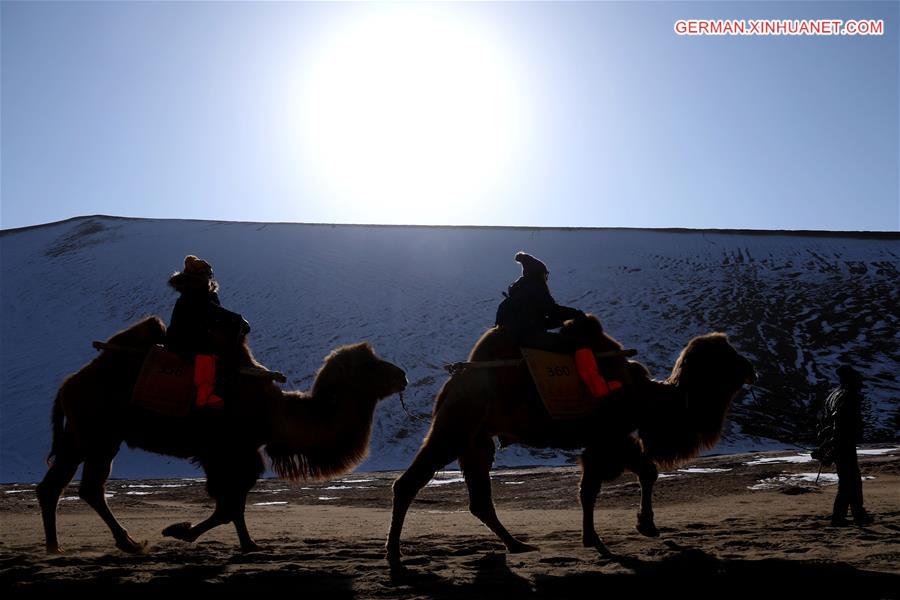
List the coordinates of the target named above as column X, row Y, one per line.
column 411, row 115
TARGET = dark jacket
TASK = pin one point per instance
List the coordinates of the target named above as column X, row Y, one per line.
column 200, row 325
column 530, row 308
column 843, row 408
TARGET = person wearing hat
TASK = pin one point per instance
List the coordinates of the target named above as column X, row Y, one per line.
column 529, row 310
column 200, row 329
column 843, row 408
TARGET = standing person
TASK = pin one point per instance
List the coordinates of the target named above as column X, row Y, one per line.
column 201, row 330
column 843, row 414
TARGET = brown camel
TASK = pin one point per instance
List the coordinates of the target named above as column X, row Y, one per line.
column 313, row 435
column 673, row 419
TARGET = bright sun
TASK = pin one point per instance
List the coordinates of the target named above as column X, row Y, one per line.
column 411, row 115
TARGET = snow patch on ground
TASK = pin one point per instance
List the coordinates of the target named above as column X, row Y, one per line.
column 795, row 459
column 437, row 482
column 878, row 451
column 702, row 470
column 799, row 480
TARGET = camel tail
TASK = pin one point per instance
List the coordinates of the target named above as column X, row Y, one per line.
column 56, row 421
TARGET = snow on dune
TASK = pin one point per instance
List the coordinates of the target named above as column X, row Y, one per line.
column 795, row 304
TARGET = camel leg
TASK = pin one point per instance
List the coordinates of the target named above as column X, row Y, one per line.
column 647, row 474
column 589, row 488
column 247, row 542
column 426, row 463
column 218, row 488
column 228, row 482
column 251, row 467
column 49, row 490
column 93, row 491
column 229, row 509
column 475, row 462
column 188, row 533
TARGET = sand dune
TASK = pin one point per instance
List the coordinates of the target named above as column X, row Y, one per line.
column 796, row 305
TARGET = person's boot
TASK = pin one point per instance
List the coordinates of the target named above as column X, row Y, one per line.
column 839, row 522
column 205, row 380
column 590, row 374
column 862, row 519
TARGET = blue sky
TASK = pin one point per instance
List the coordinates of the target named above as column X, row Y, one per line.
column 535, row 114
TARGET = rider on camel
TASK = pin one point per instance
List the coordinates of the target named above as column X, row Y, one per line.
column 201, row 330
column 529, row 310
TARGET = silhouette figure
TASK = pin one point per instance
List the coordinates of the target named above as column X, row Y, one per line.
column 842, row 429
column 202, row 331
column 529, row 310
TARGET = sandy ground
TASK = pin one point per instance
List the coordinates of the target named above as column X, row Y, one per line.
column 326, row 540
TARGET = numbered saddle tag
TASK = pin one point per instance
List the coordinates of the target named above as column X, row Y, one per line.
column 564, row 394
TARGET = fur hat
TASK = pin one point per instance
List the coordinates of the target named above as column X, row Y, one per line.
column 196, row 266
column 531, row 265
column 197, row 275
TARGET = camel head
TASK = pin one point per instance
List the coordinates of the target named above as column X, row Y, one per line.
column 687, row 415
column 326, row 432
column 356, row 371
column 710, row 364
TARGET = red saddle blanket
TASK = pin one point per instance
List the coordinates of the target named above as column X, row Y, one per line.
column 165, row 384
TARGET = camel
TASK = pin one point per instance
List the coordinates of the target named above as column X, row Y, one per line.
column 306, row 435
column 643, row 427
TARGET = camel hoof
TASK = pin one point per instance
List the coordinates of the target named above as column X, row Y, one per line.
column 252, row 547
column 521, row 547
column 54, row 550
column 179, row 531
column 594, row 541
column 392, row 554
column 646, row 526
column 130, row 546
column 598, row 545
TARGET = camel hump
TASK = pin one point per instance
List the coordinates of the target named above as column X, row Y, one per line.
column 147, row 332
column 496, row 343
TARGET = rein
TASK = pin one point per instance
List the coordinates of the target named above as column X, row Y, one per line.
column 406, row 410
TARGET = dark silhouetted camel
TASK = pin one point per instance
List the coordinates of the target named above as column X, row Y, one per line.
column 646, row 425
column 319, row 434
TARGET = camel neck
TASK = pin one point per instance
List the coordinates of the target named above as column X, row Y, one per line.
column 305, row 423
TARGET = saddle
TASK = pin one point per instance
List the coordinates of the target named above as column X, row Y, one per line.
column 564, row 394
column 166, row 384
